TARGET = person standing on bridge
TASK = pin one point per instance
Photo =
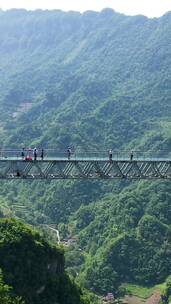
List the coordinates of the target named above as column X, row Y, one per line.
column 69, row 152
column 131, row 155
column 35, row 153
column 22, row 154
column 110, row 154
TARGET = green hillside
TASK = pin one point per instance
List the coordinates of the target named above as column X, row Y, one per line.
column 94, row 81
column 82, row 74
column 126, row 238
column 34, row 268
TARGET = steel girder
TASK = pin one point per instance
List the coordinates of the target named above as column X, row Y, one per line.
column 83, row 169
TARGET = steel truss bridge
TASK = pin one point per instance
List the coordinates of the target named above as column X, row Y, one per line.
column 84, row 166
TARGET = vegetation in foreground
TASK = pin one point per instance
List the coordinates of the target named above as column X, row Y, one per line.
column 33, row 268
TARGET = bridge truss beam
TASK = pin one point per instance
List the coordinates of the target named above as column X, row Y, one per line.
column 85, row 169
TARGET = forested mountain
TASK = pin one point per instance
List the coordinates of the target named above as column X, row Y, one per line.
column 94, row 81
column 84, row 73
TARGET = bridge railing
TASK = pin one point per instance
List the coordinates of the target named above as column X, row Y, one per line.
column 120, row 155
column 85, row 155
column 54, row 154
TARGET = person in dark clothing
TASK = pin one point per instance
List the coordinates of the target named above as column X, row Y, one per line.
column 110, row 154
column 35, row 153
column 22, row 153
column 131, row 155
column 42, row 154
column 69, row 152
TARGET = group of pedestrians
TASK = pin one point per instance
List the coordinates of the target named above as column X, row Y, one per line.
column 27, row 154
column 32, row 154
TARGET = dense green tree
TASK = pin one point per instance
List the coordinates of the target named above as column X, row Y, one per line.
column 5, row 293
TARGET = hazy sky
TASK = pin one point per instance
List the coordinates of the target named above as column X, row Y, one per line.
column 150, row 8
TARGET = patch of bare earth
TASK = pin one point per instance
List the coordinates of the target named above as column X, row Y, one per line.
column 153, row 299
